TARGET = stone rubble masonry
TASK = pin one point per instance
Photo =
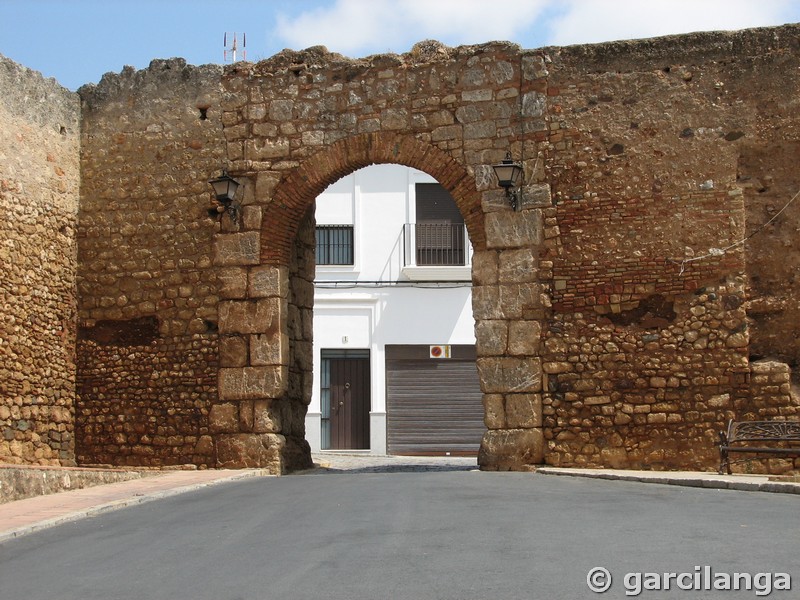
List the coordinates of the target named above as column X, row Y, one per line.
column 19, row 482
column 39, row 177
column 613, row 309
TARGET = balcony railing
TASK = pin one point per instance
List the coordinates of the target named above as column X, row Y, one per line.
column 435, row 244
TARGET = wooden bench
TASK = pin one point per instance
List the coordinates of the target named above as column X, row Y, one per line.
column 751, row 436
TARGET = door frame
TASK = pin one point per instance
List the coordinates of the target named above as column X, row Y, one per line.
column 345, row 399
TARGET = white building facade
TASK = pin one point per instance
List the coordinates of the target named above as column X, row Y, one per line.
column 394, row 343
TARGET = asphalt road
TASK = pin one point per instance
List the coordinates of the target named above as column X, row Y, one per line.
column 432, row 535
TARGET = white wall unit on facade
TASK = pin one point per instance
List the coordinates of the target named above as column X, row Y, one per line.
column 377, row 301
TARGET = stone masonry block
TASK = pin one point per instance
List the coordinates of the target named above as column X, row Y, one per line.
column 523, row 411
column 251, row 217
column 486, row 302
column 514, row 299
column 223, row 418
column 524, row 338
column 268, row 281
column 484, row 267
column 267, row 416
column 232, row 351
column 511, row 449
column 249, row 383
column 494, row 411
column 250, row 316
column 535, row 195
column 232, row 282
column 508, row 375
column 518, row 266
column 250, row 450
column 269, row 349
column 492, row 337
column 231, row 249
column 513, row 229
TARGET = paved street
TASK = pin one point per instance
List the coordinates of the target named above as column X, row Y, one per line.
column 406, row 529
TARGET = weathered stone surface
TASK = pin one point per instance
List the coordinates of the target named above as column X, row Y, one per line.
column 233, row 282
column 524, row 338
column 223, row 418
column 250, row 316
column 232, row 249
column 269, row 349
column 485, row 268
column 494, row 411
column 39, row 187
column 513, row 229
column 523, row 411
column 267, row 416
column 267, row 281
column 645, row 351
column 232, row 351
column 492, row 337
column 18, row 483
column 518, row 266
column 535, row 195
column 249, row 383
column 511, row 449
column 251, row 450
column 499, row 375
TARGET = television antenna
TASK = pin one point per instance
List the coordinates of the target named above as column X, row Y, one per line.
column 230, row 42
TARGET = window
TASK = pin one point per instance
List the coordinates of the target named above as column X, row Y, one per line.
column 334, row 244
column 440, row 233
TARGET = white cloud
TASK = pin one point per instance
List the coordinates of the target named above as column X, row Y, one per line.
column 359, row 27
column 586, row 21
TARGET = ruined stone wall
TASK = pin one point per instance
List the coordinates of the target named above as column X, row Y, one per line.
column 647, row 348
column 148, row 341
column 39, row 178
column 610, row 306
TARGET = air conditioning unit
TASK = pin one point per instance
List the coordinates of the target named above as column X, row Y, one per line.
column 440, row 351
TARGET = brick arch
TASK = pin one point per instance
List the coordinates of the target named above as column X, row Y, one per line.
column 297, row 191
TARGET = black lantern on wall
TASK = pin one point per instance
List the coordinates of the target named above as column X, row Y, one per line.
column 225, row 188
column 509, row 177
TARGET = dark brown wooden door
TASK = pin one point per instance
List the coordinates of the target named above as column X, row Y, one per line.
column 350, row 403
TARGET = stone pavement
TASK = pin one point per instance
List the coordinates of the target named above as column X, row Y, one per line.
column 33, row 514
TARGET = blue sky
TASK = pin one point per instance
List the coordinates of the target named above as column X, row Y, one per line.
column 77, row 41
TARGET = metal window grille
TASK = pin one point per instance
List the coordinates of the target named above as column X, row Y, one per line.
column 440, row 244
column 334, row 244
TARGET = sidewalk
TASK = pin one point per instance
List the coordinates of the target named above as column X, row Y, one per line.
column 748, row 483
column 33, row 514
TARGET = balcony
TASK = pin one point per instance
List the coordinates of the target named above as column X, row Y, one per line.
column 436, row 252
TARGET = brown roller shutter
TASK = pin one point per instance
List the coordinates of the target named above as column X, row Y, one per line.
column 433, row 405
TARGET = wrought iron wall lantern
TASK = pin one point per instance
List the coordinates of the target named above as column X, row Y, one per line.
column 509, row 177
column 225, row 188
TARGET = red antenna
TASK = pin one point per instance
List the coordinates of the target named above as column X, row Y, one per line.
column 231, row 51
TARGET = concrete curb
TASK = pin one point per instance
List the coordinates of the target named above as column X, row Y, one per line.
column 747, row 483
column 132, row 500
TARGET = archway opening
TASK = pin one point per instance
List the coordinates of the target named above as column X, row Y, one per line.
column 394, row 358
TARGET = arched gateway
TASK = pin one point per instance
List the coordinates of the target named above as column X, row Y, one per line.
column 598, row 342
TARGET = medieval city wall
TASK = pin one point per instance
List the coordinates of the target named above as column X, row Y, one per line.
column 615, row 319
column 647, row 351
column 147, row 344
column 39, row 178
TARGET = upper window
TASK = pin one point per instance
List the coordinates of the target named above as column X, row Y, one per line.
column 334, row 244
column 440, row 232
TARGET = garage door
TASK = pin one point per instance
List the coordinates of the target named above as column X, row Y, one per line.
column 434, row 406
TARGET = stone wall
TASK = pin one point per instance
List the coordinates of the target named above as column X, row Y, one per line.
column 39, row 178
column 613, row 321
column 646, row 354
column 148, row 340
column 20, row 482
